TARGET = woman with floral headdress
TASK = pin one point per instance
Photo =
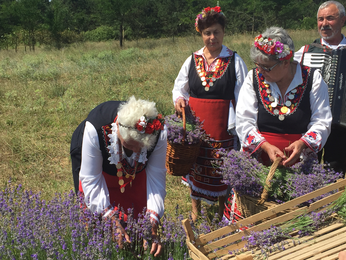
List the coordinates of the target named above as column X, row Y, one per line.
column 209, row 82
column 118, row 163
column 283, row 108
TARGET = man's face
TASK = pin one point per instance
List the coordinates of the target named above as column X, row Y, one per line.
column 329, row 23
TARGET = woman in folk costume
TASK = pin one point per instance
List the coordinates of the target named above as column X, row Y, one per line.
column 209, row 82
column 283, row 107
column 122, row 163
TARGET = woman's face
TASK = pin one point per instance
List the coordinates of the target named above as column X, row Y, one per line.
column 131, row 144
column 271, row 70
column 213, row 37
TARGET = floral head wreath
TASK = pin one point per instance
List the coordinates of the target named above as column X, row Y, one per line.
column 148, row 126
column 270, row 47
column 204, row 14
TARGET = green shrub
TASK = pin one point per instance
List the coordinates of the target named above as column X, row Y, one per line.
column 102, row 33
column 69, row 36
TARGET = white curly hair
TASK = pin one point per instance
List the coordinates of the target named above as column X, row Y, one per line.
column 128, row 115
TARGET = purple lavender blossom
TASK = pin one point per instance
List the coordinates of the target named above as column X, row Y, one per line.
column 194, row 129
column 241, row 172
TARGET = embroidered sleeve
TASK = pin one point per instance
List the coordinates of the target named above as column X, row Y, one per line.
column 313, row 140
column 253, row 141
column 154, row 217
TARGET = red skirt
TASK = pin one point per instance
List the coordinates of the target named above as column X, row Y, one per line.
column 204, row 181
column 134, row 196
column 281, row 141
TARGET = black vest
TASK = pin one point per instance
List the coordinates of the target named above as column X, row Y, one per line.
column 104, row 115
column 223, row 87
column 294, row 123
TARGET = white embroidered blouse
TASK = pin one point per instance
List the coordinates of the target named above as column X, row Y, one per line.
column 94, row 185
column 181, row 84
column 321, row 117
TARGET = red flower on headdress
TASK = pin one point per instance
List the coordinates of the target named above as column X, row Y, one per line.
column 157, row 124
column 149, row 129
column 217, row 9
column 207, row 9
column 139, row 127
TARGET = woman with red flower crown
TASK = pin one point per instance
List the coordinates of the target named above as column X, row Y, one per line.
column 118, row 163
column 209, row 82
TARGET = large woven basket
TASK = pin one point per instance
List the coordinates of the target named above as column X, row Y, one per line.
column 249, row 206
column 181, row 157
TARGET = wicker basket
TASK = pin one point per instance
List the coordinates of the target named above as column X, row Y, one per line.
column 249, row 206
column 181, row 157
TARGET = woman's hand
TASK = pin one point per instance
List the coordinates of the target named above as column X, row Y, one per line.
column 272, row 151
column 179, row 105
column 119, row 233
column 156, row 246
column 296, row 148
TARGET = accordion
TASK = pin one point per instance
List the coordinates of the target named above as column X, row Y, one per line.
column 333, row 67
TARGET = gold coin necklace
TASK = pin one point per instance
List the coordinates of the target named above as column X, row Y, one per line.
column 285, row 108
column 207, row 82
column 121, row 170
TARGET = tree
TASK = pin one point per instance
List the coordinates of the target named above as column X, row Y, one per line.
column 57, row 20
column 30, row 16
column 115, row 13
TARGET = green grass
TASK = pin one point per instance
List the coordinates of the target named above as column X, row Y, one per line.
column 45, row 94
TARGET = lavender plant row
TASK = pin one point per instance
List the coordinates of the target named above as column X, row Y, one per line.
column 247, row 176
column 32, row 228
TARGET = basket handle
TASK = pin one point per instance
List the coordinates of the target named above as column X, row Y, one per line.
column 184, row 124
column 264, row 195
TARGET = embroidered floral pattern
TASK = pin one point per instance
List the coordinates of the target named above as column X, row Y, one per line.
column 209, row 77
column 313, row 140
column 294, row 97
column 253, row 141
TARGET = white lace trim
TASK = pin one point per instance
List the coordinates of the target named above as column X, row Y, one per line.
column 114, row 149
column 204, row 199
column 185, row 183
column 206, row 192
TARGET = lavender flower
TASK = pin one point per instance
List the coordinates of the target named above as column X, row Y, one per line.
column 241, row 172
column 194, row 129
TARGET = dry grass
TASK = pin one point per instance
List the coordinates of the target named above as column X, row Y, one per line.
column 45, row 94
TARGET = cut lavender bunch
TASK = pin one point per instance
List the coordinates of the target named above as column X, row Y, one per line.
column 308, row 176
column 247, row 176
column 194, row 129
column 241, row 172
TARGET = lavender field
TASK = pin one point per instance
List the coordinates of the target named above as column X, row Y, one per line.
column 44, row 95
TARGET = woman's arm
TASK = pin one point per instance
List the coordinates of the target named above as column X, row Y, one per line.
column 246, row 117
column 156, row 179
column 96, row 195
column 181, row 87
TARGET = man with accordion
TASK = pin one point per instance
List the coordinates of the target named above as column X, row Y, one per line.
column 329, row 54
